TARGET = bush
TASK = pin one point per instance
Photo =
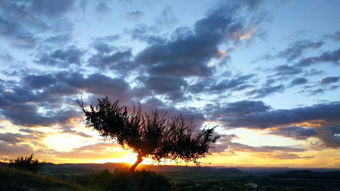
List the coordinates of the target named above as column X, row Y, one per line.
column 26, row 164
column 124, row 180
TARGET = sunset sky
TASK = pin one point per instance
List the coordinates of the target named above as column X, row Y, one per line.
column 266, row 72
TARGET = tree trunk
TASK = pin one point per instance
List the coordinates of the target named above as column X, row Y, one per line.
column 139, row 160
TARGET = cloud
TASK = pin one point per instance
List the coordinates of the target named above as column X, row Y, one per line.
column 236, row 83
column 165, row 85
column 266, row 90
column 326, row 57
column 61, row 57
column 295, row 132
column 23, row 105
column 187, row 54
column 244, row 108
column 297, row 48
column 9, row 151
column 298, row 81
column 329, row 80
column 109, row 58
column 283, row 70
column 11, row 138
column 19, row 36
column 24, row 23
column 266, row 117
column 328, row 135
column 38, row 81
column 288, row 156
column 210, row 84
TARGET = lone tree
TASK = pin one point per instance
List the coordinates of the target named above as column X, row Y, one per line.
column 149, row 135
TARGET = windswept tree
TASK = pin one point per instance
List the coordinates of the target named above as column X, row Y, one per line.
column 151, row 135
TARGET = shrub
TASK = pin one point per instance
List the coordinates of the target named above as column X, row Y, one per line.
column 124, row 180
column 26, row 164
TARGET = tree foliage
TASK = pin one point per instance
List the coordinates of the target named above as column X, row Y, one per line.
column 152, row 135
column 26, row 164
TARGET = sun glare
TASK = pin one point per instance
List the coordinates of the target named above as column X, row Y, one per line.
column 65, row 142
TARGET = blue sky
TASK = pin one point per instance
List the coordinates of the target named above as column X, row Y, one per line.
column 267, row 72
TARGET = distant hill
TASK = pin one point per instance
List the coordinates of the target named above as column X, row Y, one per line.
column 13, row 179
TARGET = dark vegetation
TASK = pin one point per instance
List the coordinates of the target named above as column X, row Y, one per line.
column 173, row 178
column 26, row 164
column 152, row 135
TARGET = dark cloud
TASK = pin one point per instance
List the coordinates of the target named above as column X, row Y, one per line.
column 266, row 90
column 329, row 80
column 236, row 83
column 188, row 55
column 61, row 57
column 326, row 57
column 298, row 81
column 97, row 84
column 328, row 135
column 283, row 70
column 300, row 133
column 296, row 49
column 19, row 36
column 209, row 84
column 28, row 115
column 266, row 118
column 243, row 108
column 164, row 84
column 109, row 58
column 23, row 105
column 106, row 39
column 38, row 81
column 23, row 23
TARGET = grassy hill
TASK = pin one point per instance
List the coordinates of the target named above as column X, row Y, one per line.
column 17, row 180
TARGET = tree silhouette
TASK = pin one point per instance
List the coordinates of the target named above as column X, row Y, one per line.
column 149, row 135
